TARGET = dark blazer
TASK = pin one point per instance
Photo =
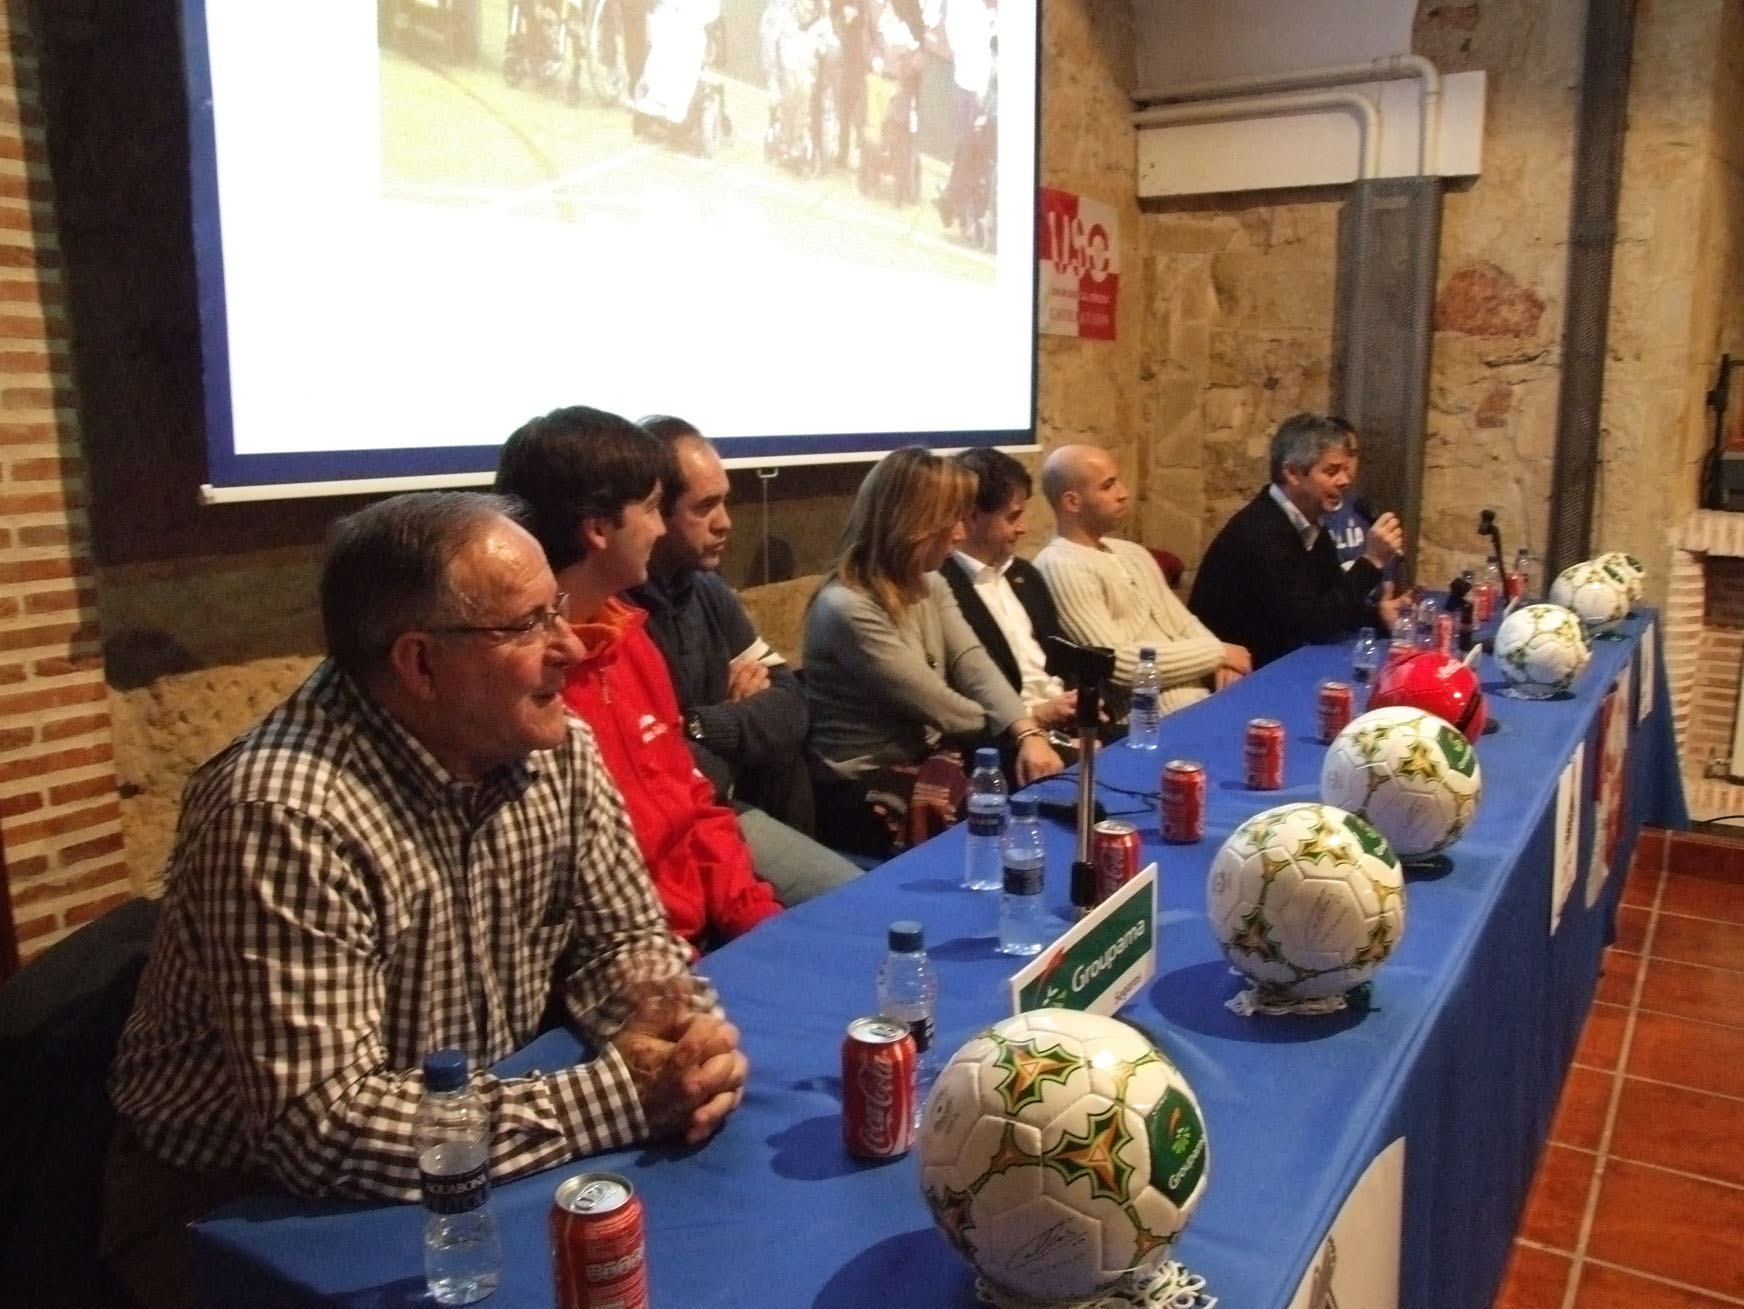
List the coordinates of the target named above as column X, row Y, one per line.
column 1032, row 594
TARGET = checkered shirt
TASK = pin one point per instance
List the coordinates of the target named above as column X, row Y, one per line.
column 337, row 906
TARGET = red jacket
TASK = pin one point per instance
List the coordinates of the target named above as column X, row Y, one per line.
column 700, row 862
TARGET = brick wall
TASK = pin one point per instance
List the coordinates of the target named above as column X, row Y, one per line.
column 60, row 823
column 1704, row 656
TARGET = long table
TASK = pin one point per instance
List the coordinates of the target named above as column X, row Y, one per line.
column 1458, row 1052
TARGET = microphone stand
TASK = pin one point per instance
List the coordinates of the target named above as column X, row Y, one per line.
column 1091, row 666
column 1487, row 527
column 1083, row 870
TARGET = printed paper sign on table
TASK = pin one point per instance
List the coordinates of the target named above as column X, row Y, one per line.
column 1100, row 962
column 1079, row 282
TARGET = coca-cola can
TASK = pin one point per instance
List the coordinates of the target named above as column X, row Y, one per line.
column 1335, row 703
column 878, row 1068
column 1446, row 633
column 1483, row 598
column 598, row 1251
column 1181, row 802
column 1264, row 752
column 1114, row 850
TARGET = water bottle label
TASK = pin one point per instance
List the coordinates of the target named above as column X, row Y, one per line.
column 1144, row 702
column 921, row 1029
column 986, row 824
column 1023, row 879
column 455, row 1193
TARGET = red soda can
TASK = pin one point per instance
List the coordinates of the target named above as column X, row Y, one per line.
column 1265, row 754
column 1483, row 602
column 1114, row 848
column 1336, row 702
column 1181, row 805
column 598, row 1257
column 1446, row 633
column 878, row 1068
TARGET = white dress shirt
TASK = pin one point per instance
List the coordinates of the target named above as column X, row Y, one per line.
column 1309, row 532
column 994, row 589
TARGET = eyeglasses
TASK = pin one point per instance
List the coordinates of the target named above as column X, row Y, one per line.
column 541, row 622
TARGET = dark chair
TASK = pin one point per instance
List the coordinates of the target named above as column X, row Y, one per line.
column 60, row 1018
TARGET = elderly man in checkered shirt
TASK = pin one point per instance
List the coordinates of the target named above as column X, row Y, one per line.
column 419, row 849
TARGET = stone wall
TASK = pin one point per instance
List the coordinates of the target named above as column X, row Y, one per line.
column 1500, row 289
column 1238, row 337
column 1676, row 297
column 1239, row 330
column 1091, row 391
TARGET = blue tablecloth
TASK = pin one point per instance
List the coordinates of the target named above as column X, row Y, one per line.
column 1460, row 1049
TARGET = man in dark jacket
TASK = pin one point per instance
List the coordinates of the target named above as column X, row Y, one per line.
column 1271, row 580
column 743, row 712
column 1003, row 598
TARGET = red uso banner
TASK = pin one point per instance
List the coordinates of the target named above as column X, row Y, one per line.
column 1079, row 284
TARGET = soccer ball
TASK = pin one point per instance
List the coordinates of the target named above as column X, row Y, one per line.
column 1627, row 569
column 1060, row 1152
column 1599, row 598
column 1541, row 650
column 1306, row 900
column 1411, row 774
column 1436, row 683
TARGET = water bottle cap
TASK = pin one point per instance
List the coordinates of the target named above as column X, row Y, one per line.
column 1023, row 806
column 907, row 936
column 445, row 1070
column 986, row 757
column 1147, row 652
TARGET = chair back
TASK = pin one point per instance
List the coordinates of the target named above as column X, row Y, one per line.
column 61, row 1016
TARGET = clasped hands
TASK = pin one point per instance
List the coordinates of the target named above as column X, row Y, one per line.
column 1237, row 664
column 686, row 1064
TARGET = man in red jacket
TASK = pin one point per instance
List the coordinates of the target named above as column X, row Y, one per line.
column 592, row 481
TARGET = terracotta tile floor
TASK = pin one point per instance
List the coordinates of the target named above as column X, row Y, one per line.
column 1638, row 1201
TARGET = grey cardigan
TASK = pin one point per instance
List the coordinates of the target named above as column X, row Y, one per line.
column 883, row 692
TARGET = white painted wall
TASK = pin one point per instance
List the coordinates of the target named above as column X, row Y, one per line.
column 1183, row 41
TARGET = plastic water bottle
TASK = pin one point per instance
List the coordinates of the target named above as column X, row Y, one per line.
column 1143, row 726
column 1402, row 642
column 908, row 991
column 1023, row 927
column 987, row 806
column 1529, row 570
column 463, row 1256
column 1428, row 610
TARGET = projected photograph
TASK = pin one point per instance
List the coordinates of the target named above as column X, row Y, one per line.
column 807, row 226
column 594, row 111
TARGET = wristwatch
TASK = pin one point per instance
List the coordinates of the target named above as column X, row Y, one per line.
column 693, row 725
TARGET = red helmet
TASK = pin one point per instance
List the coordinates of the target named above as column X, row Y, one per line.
column 1435, row 683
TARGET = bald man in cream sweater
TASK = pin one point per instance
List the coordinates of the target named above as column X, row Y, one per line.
column 1110, row 592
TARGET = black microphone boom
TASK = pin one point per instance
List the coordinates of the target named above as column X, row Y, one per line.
column 1487, row 527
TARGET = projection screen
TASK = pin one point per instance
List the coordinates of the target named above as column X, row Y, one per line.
column 805, row 225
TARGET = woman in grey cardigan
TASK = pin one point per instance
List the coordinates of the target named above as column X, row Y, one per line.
column 899, row 688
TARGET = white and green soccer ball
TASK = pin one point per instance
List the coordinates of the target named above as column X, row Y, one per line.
column 1541, row 649
column 1413, row 776
column 1061, row 1152
column 1307, row 900
column 1627, row 569
column 1598, row 596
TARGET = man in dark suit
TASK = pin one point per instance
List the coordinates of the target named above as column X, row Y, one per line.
column 1003, row 598
column 1270, row 579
